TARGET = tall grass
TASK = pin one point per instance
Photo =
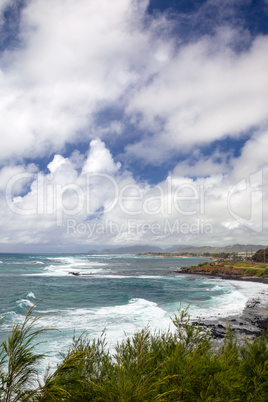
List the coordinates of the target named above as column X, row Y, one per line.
column 163, row 366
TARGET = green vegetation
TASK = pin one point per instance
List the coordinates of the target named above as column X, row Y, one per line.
column 241, row 264
column 230, row 268
column 220, row 255
column 179, row 366
column 250, row 272
column 261, row 255
column 214, row 271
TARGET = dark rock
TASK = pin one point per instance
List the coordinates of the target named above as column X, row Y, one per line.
column 262, row 323
column 252, row 303
column 217, row 334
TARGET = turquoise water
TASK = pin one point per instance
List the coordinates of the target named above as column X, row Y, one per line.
column 120, row 293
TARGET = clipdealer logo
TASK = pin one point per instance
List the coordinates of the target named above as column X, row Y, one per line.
column 252, row 190
column 71, row 204
column 132, row 226
column 49, row 198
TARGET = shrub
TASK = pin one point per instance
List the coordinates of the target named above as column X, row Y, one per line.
column 163, row 366
column 259, row 272
column 214, row 271
column 250, row 272
column 18, row 362
column 241, row 264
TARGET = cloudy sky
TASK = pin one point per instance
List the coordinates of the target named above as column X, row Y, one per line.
column 133, row 122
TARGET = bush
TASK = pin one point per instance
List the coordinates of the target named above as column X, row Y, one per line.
column 265, row 272
column 214, row 271
column 163, row 366
column 250, row 272
column 259, row 272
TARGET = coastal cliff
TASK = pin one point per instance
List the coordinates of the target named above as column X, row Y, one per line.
column 230, row 270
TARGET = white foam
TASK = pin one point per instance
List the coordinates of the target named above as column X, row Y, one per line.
column 39, row 262
column 217, row 287
column 65, row 269
column 233, row 301
column 61, row 272
column 24, row 303
column 32, row 295
column 119, row 320
column 10, row 318
column 81, row 261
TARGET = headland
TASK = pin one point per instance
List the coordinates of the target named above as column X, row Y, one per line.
column 228, row 269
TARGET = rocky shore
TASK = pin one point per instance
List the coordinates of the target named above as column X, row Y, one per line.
column 215, row 271
column 225, row 276
column 252, row 323
column 254, row 319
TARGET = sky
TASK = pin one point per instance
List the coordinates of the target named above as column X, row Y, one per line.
column 131, row 122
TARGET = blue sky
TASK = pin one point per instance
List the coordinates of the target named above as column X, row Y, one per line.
column 148, row 93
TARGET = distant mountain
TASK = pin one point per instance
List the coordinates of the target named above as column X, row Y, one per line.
column 235, row 248
column 172, row 248
column 131, row 250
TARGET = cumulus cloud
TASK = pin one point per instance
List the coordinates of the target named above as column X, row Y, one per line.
column 253, row 156
column 75, row 60
column 205, row 93
column 103, row 204
column 3, row 6
column 100, row 159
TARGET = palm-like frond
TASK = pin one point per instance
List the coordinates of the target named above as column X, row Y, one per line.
column 19, row 362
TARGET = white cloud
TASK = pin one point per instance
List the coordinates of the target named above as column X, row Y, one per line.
column 206, row 167
column 75, row 58
column 100, row 159
column 253, row 156
column 3, row 6
column 102, row 204
column 7, row 174
column 78, row 57
column 205, row 93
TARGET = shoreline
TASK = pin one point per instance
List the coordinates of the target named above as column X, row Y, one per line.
column 221, row 276
column 250, row 323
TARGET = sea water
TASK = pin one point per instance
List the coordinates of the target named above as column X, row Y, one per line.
column 119, row 293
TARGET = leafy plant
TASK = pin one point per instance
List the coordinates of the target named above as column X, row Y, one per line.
column 214, row 271
column 250, row 272
column 19, row 364
column 178, row 365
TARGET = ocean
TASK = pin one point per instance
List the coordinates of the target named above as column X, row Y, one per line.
column 118, row 293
